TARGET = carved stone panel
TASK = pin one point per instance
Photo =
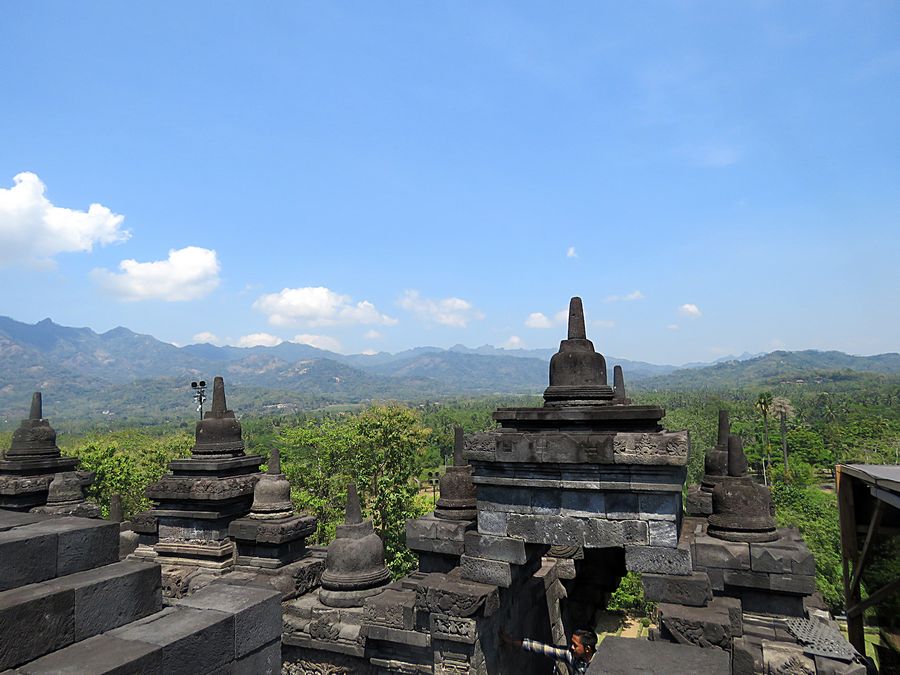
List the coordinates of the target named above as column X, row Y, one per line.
column 453, row 628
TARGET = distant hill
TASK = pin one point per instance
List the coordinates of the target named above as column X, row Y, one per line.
column 774, row 368
column 119, row 373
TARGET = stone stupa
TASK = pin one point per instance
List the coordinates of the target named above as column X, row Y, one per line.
column 32, row 461
column 354, row 566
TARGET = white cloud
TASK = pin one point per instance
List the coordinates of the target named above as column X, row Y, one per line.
column 672, row 326
column 690, row 310
column 603, row 323
column 562, row 316
column 33, row 230
column 514, row 342
column 317, row 306
column 570, row 253
column 207, row 337
column 189, row 273
column 449, row 311
column 259, row 340
column 538, row 320
column 634, row 295
column 368, row 352
column 372, row 335
column 318, row 341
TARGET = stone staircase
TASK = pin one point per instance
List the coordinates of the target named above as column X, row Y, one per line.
column 68, row 605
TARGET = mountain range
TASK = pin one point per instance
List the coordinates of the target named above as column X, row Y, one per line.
column 119, row 373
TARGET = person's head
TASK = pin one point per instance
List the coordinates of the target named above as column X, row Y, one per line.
column 584, row 644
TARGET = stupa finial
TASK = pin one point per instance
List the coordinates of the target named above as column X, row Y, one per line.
column 37, row 407
column 218, row 401
column 458, row 447
column 353, row 514
column 576, row 320
column 724, row 429
column 275, row 462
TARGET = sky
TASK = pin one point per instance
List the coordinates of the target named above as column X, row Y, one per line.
column 711, row 178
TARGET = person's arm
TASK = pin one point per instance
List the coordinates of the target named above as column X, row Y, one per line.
column 558, row 653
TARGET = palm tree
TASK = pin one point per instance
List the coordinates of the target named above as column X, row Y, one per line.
column 782, row 407
column 763, row 406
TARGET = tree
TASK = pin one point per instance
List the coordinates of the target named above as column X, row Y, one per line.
column 782, row 407
column 763, row 406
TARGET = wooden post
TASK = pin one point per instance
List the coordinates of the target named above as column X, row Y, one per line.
column 849, row 553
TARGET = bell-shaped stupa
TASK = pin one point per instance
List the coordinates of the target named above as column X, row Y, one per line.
column 218, row 434
column 742, row 508
column 354, row 566
column 32, row 461
column 577, row 372
column 457, row 500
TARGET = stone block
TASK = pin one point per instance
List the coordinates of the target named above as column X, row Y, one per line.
column 602, row 533
column 264, row 661
column 111, row 596
column 493, row 522
column 26, row 558
column 493, row 572
column 550, row 530
column 506, row 549
column 437, row 535
column 826, row 666
column 100, row 654
column 583, row 503
column 622, row 505
column 794, row 584
column 658, row 560
column 627, row 656
column 82, row 543
column 767, row 602
column 545, row 502
column 698, row 502
column 693, row 590
column 456, row 597
column 711, row 552
column 187, row 637
column 769, row 559
column 10, row 519
column 452, row 628
column 664, row 506
column 663, row 533
column 746, row 657
column 781, row 657
column 392, row 608
column 702, row 626
column 716, row 578
column 256, row 612
column 735, row 613
column 22, row 610
column 395, row 635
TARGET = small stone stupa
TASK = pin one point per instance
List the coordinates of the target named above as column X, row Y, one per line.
column 273, row 535
column 32, row 461
column 457, row 500
column 198, row 500
column 715, row 464
column 742, row 508
column 577, row 371
column 65, row 497
column 354, row 566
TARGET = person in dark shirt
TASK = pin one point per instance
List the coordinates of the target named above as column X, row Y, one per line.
column 577, row 657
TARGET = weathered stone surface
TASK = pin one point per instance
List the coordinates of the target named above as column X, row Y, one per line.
column 658, row 560
column 794, row 584
column 663, row 506
column 780, row 658
column 623, row 505
column 74, row 608
column 437, row 535
column 550, row 530
column 582, row 503
column 452, row 628
column 599, row 533
column 746, row 657
column 264, row 661
column 693, row 590
column 455, row 597
column 81, row 543
column 782, row 557
column 669, row 448
column 101, row 654
column 826, row 666
column 506, row 549
column 392, row 608
column 702, row 626
column 735, row 613
column 663, row 533
column 482, row 570
column 625, row 656
column 26, row 558
column 256, row 612
column 698, row 502
column 493, row 522
column 187, row 637
column 710, row 552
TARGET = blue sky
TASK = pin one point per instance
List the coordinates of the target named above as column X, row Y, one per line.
column 710, row 177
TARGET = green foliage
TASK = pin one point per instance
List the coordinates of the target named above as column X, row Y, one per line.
column 381, row 449
column 126, row 462
column 629, row 596
column 814, row 513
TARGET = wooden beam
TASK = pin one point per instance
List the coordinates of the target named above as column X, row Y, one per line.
column 874, row 599
column 874, row 523
column 849, row 546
